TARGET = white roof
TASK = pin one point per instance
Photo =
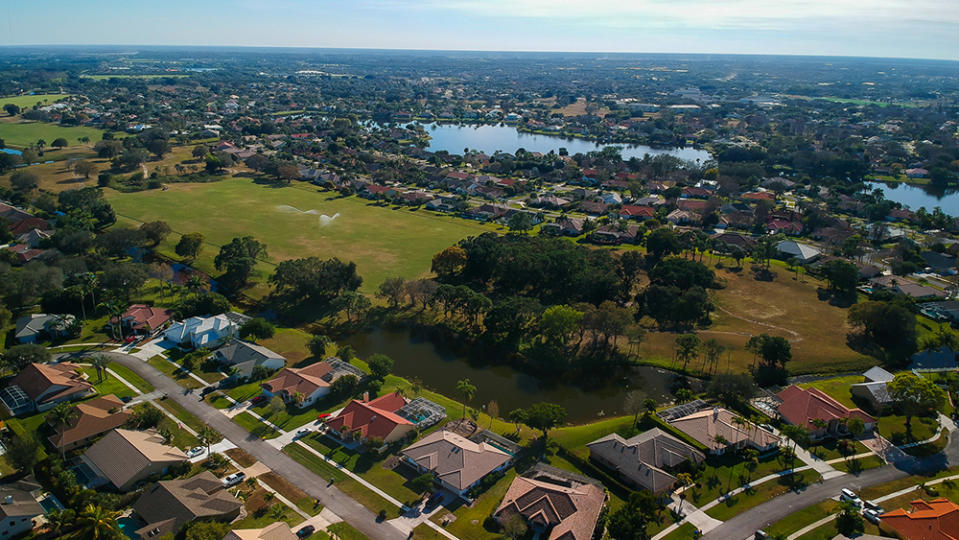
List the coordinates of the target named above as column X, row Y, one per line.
column 800, row 251
column 877, row 374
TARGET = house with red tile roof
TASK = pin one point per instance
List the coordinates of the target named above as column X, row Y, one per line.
column 759, row 196
column 801, row 407
column 376, row 419
column 630, row 211
column 143, row 319
column 937, row 519
column 92, row 419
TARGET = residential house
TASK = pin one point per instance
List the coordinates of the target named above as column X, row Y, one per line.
column 614, row 234
column 593, row 208
column 245, row 357
column 32, row 327
column 611, row 197
column 93, row 418
column 197, row 332
column 937, row 519
column 901, row 285
column 692, row 205
column 803, row 407
column 457, row 463
column 143, row 319
column 940, row 263
column 717, row 430
column 42, row 386
column 19, row 509
column 941, row 359
column 273, row 531
column 744, row 242
column 303, row 386
column 873, row 390
column 629, row 211
column 804, row 253
column 643, row 460
column 556, row 505
column 377, row 419
column 564, row 226
column 124, row 458
column 168, row 505
column 683, row 217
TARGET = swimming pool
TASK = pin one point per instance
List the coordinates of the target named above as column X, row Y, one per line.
column 128, row 526
column 49, row 503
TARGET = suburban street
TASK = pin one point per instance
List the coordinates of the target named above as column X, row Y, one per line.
column 333, row 499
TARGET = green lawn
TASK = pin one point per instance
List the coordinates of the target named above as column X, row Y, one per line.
column 470, row 519
column 859, row 465
column 174, row 372
column 827, row 449
column 575, row 438
column 182, row 438
column 683, row 532
column 181, row 414
column 26, row 102
column 758, row 495
column 109, row 385
column 893, row 427
column 129, row 376
column 345, row 531
column 23, row 134
column 714, row 480
column 837, row 388
column 244, row 392
column 383, row 241
column 425, row 532
column 344, row 483
column 254, row 426
column 254, row 521
column 797, row 520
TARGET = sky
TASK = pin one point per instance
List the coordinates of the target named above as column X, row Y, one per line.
column 885, row 28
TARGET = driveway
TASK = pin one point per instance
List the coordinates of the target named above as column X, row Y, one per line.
column 332, row 498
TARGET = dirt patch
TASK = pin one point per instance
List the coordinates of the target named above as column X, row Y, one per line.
column 240, row 456
column 283, row 487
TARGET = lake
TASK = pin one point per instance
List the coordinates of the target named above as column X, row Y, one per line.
column 439, row 369
column 916, row 197
column 490, row 138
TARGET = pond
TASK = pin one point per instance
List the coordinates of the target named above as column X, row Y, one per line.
column 439, row 369
column 916, row 197
column 490, row 138
column 10, row 151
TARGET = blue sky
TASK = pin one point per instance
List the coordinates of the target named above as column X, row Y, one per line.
column 894, row 28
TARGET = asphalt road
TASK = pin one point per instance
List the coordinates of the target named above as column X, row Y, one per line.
column 746, row 524
column 342, row 505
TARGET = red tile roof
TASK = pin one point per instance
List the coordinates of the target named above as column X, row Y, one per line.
column 64, row 378
column 759, row 196
column 637, row 211
column 144, row 316
column 376, row 418
column 800, row 406
column 303, row 380
column 26, row 225
column 937, row 519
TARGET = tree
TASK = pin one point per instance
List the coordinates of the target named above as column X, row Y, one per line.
column 660, row 244
column 558, row 323
column 208, row 436
column 208, row 530
column 24, row 181
column 318, row 344
column 544, row 417
column 842, row 276
column 84, row 168
column 257, row 328
column 466, row 388
column 632, row 519
column 774, row 352
column 915, row 395
column 97, row 523
column 237, row 259
column 155, row 231
column 712, row 350
column 189, row 245
column 633, row 404
column 380, row 365
column 158, row 147
column 422, row 483
column 520, row 222
column 515, row 527
column 11, row 109
column 687, row 346
column 890, row 325
column 352, row 302
column 61, row 416
column 312, row 278
column 849, row 521
column 276, row 405
column 117, row 241
column 20, row 356
column 100, row 363
column 730, row 388
column 345, row 386
column 855, row 426
column 61, row 520
column 199, row 151
column 630, row 265
column 59, row 142
column 449, row 261
column 392, row 289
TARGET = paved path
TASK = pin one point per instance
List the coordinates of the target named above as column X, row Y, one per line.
column 339, row 503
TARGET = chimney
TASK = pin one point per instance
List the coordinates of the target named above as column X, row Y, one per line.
column 366, row 397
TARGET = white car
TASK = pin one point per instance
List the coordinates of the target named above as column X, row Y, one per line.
column 195, row 451
column 302, row 432
column 872, row 516
column 234, row 479
column 850, row 495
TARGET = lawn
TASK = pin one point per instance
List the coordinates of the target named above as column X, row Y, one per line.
column 383, row 241
column 109, row 385
column 22, row 134
column 344, row 483
column 827, row 449
column 797, row 520
column 260, row 511
column 345, row 531
column 292, row 493
column 785, row 307
column 575, row 438
column 181, row 438
column 758, row 495
column 250, row 423
column 129, row 376
column 837, row 388
column 198, row 362
column 470, row 519
column 714, row 479
column 369, row 467
column 244, row 392
column 683, row 532
column 174, row 372
column 292, row 417
column 425, row 532
column 855, row 466
column 181, row 414
column 27, row 102
column 893, row 427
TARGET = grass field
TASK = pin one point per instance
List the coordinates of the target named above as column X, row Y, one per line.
column 29, row 101
column 131, row 377
column 148, row 77
column 784, row 307
column 383, row 241
column 837, row 388
column 21, row 134
column 250, row 423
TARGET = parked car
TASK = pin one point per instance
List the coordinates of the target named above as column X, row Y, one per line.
column 850, row 495
column 872, row 516
column 234, row 479
column 302, row 432
column 761, row 535
column 207, row 390
column 258, row 400
column 195, row 451
column 873, row 506
column 305, row 531
column 767, row 427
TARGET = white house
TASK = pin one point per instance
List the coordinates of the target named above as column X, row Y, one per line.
column 199, row 332
column 802, row 252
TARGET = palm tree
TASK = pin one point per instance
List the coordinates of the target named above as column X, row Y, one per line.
column 60, row 520
column 208, row 436
column 466, row 388
column 650, row 405
column 115, row 310
column 90, row 283
column 97, row 523
column 61, row 416
column 100, row 363
column 684, row 479
column 195, row 284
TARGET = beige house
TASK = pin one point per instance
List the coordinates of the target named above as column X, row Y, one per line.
column 166, row 506
column 556, row 507
column 275, row 531
column 456, row 462
column 711, row 426
column 94, row 418
column 641, row 460
column 124, row 457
